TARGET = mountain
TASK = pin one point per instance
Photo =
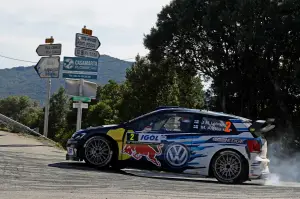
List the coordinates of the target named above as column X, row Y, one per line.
column 25, row 81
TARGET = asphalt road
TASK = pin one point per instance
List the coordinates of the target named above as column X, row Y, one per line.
column 31, row 169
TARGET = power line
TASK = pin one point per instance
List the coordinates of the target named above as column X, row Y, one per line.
column 17, row 59
column 22, row 60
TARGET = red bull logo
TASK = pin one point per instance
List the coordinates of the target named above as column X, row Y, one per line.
column 138, row 151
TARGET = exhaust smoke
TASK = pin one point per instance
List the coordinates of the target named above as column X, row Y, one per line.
column 284, row 161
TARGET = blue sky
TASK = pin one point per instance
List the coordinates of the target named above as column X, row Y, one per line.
column 119, row 25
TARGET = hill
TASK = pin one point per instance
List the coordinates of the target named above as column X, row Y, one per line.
column 25, row 81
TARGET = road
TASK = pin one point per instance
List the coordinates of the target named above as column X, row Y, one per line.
column 32, row 169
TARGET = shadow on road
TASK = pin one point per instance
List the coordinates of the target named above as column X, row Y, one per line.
column 85, row 167
column 22, row 145
column 82, row 166
column 203, row 180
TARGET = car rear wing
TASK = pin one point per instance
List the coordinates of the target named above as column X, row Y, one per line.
column 261, row 127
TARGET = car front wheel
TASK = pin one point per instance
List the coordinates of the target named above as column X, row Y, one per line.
column 229, row 167
column 98, row 151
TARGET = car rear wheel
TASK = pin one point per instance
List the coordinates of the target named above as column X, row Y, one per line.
column 229, row 167
column 98, row 151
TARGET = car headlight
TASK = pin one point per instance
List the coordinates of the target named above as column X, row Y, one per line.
column 78, row 135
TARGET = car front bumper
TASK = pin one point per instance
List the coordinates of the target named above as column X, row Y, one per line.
column 73, row 150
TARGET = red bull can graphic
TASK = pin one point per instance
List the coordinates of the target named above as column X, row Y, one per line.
column 138, row 151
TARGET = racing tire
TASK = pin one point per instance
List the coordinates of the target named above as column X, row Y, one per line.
column 98, row 152
column 230, row 167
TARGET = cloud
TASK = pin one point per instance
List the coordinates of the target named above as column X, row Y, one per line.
column 120, row 26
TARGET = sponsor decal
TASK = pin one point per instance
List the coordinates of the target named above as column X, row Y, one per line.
column 139, row 151
column 228, row 140
column 177, row 155
column 146, row 137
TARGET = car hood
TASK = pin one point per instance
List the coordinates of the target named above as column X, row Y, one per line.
column 102, row 127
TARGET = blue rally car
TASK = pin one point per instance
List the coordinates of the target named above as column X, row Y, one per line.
column 229, row 148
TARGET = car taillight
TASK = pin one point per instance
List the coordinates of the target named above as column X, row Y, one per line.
column 253, row 146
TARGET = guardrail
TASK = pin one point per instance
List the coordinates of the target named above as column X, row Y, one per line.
column 17, row 125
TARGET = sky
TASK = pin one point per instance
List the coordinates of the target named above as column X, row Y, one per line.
column 120, row 26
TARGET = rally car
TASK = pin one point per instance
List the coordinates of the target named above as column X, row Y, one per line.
column 229, row 148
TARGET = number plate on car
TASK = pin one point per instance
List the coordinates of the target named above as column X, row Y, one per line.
column 70, row 151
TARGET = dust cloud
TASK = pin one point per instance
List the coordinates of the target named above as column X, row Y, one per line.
column 284, row 163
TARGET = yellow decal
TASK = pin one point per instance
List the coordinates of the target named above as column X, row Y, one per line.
column 117, row 135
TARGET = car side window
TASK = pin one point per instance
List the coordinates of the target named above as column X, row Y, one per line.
column 216, row 125
column 166, row 122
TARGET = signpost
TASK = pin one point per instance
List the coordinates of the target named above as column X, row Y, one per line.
column 83, row 66
column 82, row 99
column 87, row 41
column 48, row 49
column 81, row 52
column 80, row 105
column 48, row 67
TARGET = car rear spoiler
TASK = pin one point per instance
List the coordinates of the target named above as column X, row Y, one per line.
column 261, row 127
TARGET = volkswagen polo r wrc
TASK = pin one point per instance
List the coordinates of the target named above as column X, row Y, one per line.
column 229, row 148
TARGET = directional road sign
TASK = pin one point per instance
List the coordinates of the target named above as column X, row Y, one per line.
column 49, row 49
column 85, row 64
column 81, row 52
column 82, row 99
column 48, row 67
column 83, row 105
column 79, row 76
column 87, row 41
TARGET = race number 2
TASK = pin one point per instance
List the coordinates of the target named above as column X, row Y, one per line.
column 227, row 128
column 132, row 137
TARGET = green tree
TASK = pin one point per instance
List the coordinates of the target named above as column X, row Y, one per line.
column 100, row 114
column 22, row 109
column 149, row 85
column 248, row 48
column 58, row 111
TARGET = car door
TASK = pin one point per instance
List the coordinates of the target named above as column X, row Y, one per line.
column 162, row 140
column 209, row 132
column 142, row 143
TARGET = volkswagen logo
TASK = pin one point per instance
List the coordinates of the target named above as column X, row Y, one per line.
column 177, row 155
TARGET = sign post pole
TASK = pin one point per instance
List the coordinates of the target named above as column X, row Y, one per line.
column 47, row 107
column 79, row 110
column 48, row 67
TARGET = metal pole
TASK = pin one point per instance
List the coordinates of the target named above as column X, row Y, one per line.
column 47, row 106
column 79, row 110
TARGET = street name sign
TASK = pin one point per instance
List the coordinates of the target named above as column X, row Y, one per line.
column 49, row 49
column 87, row 41
column 83, row 105
column 81, row 52
column 80, row 64
column 79, row 76
column 81, row 99
column 48, row 67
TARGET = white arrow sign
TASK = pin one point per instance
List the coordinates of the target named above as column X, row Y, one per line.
column 49, row 49
column 86, row 41
column 83, row 105
column 48, row 67
column 81, row 52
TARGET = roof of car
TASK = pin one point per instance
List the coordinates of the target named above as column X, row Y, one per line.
column 189, row 110
column 201, row 111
